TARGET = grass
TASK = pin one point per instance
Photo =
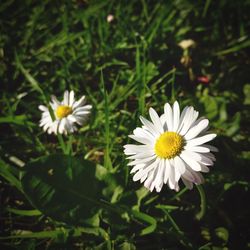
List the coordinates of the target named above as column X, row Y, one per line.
column 124, row 67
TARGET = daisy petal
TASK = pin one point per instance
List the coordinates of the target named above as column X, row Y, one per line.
column 198, row 149
column 167, row 171
column 169, row 116
column 192, row 163
column 200, row 140
column 66, row 98
column 196, row 130
column 156, row 120
column 176, row 115
column 71, row 98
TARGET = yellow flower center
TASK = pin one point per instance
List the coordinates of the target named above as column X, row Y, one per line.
column 63, row 111
column 169, row 145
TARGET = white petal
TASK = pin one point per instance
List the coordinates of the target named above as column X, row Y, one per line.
column 139, row 161
column 151, row 166
column 139, row 175
column 210, row 156
column 198, row 178
column 193, row 132
column 55, row 101
column 171, row 179
column 204, row 168
column 149, row 180
column 177, row 174
column 187, row 183
column 167, row 171
column 156, row 120
column 190, row 118
column 163, row 122
column 142, row 140
column 71, row 118
column 61, row 126
column 188, row 175
column 193, row 155
column 55, row 126
column 200, row 140
column 140, row 132
column 66, row 98
column 212, row 148
column 179, row 165
column 141, row 155
column 159, row 176
column 143, row 178
column 159, row 187
column 79, row 102
column 186, row 120
column 176, row 188
column 81, row 113
column 176, row 116
column 131, row 149
column 199, row 149
column 150, row 126
column 192, row 163
column 182, row 118
column 169, row 116
column 43, row 108
column 206, row 161
column 71, row 98
column 85, row 108
column 136, row 168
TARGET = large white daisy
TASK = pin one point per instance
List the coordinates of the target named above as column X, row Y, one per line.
column 67, row 114
column 172, row 148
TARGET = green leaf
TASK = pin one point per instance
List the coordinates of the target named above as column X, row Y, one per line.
column 127, row 246
column 63, row 188
column 6, row 173
column 222, row 233
column 17, row 120
column 167, row 207
column 148, row 219
column 23, row 212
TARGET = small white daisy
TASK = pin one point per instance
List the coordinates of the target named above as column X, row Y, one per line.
column 67, row 114
column 173, row 147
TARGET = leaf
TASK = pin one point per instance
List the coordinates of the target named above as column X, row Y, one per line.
column 127, row 246
column 57, row 233
column 6, row 173
column 148, row 219
column 34, row 84
column 222, row 233
column 63, row 188
column 17, row 120
column 167, row 207
column 24, row 212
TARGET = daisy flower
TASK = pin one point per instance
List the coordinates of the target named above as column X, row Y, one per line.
column 173, row 147
column 67, row 114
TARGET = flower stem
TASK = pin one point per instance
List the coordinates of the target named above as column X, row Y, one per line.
column 202, row 212
column 69, row 149
column 175, row 226
column 62, row 143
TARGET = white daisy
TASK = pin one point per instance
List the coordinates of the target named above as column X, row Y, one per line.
column 67, row 114
column 173, row 147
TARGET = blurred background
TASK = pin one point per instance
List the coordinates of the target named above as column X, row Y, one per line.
column 147, row 53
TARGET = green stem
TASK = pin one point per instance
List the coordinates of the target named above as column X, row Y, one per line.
column 69, row 149
column 202, row 212
column 175, row 226
column 185, row 241
column 62, row 143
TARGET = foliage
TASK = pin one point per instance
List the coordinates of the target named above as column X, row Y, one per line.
column 86, row 199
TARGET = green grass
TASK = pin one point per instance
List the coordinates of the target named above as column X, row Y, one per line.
column 124, row 67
